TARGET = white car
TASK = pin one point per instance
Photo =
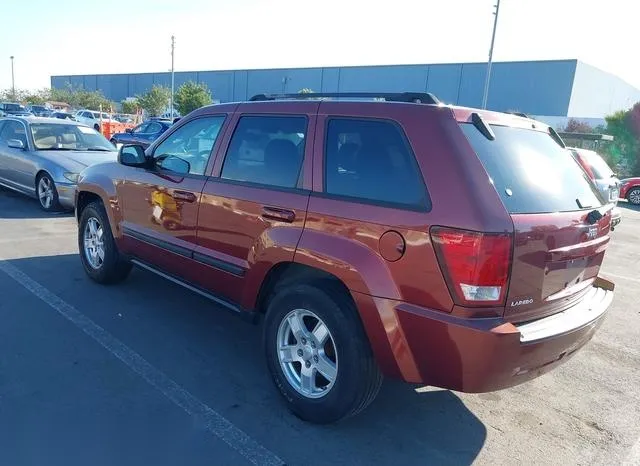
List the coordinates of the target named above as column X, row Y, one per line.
column 92, row 118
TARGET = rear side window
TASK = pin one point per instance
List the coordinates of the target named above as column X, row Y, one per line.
column 371, row 161
column 531, row 172
column 267, row 150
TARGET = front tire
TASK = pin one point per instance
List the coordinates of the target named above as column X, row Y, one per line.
column 47, row 193
column 318, row 354
column 100, row 256
column 633, row 196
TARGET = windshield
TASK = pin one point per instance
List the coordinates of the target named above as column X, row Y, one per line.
column 14, row 108
column 48, row 136
column 531, row 172
column 599, row 167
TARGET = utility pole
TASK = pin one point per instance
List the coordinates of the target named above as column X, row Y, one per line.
column 173, row 47
column 13, row 81
column 493, row 39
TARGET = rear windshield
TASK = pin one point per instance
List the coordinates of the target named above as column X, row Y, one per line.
column 531, row 172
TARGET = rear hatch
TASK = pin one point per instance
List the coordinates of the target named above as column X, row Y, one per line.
column 561, row 221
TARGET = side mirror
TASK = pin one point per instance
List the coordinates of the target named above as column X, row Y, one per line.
column 128, row 130
column 16, row 144
column 175, row 164
column 132, row 155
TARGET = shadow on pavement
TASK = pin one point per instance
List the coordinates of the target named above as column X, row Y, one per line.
column 628, row 206
column 16, row 205
column 218, row 358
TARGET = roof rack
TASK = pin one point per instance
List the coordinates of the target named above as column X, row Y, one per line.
column 409, row 97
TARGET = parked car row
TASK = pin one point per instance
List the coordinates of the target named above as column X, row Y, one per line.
column 43, row 157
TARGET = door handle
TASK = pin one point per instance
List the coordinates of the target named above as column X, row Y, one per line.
column 281, row 215
column 184, row 196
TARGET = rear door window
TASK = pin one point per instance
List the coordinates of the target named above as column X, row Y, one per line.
column 371, row 161
column 531, row 172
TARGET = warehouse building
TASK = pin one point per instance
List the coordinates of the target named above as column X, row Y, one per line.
column 551, row 90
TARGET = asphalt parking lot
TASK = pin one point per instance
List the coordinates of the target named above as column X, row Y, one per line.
column 149, row 373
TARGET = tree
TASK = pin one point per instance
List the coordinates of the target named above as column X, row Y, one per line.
column 625, row 145
column 156, row 100
column 81, row 98
column 130, row 106
column 577, row 126
column 191, row 96
column 305, row 90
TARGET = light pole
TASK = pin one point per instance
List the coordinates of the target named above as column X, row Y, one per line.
column 493, row 39
column 173, row 46
column 13, row 81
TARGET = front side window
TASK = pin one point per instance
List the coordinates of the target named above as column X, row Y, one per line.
column 13, row 130
column 267, row 150
column 192, row 143
column 371, row 161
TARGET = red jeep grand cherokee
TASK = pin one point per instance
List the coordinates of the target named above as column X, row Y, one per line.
column 398, row 236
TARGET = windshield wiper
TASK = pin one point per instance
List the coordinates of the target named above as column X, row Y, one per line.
column 97, row 149
column 55, row 148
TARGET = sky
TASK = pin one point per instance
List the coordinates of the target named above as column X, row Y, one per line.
column 68, row 37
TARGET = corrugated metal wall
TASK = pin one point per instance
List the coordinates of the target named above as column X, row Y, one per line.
column 540, row 88
column 596, row 93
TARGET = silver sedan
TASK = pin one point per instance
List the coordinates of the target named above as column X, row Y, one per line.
column 42, row 157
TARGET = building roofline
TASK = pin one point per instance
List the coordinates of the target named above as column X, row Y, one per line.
column 382, row 65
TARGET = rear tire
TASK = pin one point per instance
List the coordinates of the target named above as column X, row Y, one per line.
column 633, row 196
column 357, row 378
column 98, row 251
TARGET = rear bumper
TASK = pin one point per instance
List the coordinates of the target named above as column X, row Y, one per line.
column 481, row 354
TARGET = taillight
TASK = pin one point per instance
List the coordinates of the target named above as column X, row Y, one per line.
column 475, row 265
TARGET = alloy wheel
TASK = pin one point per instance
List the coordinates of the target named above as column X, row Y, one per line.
column 93, row 242
column 307, row 353
column 45, row 192
column 634, row 196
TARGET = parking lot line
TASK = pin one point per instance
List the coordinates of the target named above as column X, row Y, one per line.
column 207, row 417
